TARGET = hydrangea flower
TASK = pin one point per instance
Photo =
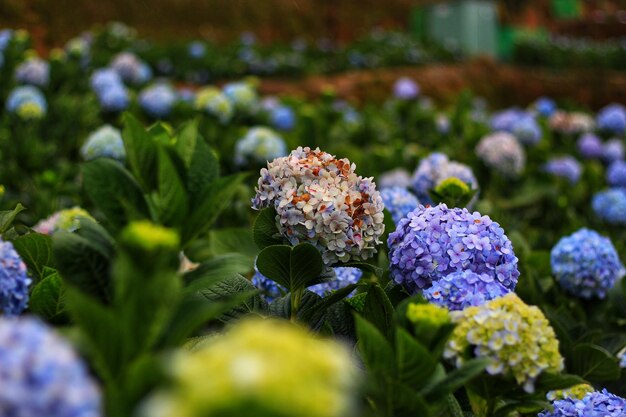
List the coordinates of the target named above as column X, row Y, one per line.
column 610, row 205
column 502, row 152
column 432, row 242
column 462, row 289
column 103, row 79
column 427, row 313
column 344, row 276
column 616, row 174
column 157, row 100
column 590, row 146
column 545, row 106
column 244, row 372
column 517, row 338
column 435, row 168
column 504, row 121
column 577, row 392
column 132, row 69
column 398, row 177
column 571, row 123
column 613, row 150
column 594, row 404
column 612, row 118
column 196, row 49
column 214, row 102
column 566, row 167
column 527, row 130
column 399, row 201
column 5, row 38
column 406, row 89
column 259, row 145
column 114, row 99
column 33, row 71
column 319, row 199
column 66, row 219
column 27, row 102
column 283, row 118
column 14, row 282
column 586, row 264
column 106, row 142
column 42, row 375
column 242, row 95
column 442, row 123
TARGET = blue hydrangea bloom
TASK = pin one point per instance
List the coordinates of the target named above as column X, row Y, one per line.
column 566, row 167
column 462, row 289
column 398, row 177
column 5, row 38
column 157, row 100
column 131, row 69
column 242, row 95
column 41, row 373
column 344, row 276
column 610, row 205
column 406, row 89
column 196, row 49
column 432, row 242
column 612, row 118
column 103, row 79
column 505, row 120
column 33, row 71
column 586, row 264
column 14, row 281
column 114, row 99
column 622, row 360
column 27, row 102
column 106, row 142
column 283, row 118
column 616, row 174
column 590, row 146
column 613, row 150
column 259, row 145
column 527, row 130
column 435, row 168
column 545, row 106
column 399, row 201
column 594, row 404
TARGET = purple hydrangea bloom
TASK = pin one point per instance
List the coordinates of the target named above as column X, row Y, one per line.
column 610, row 205
column 269, row 289
column 545, row 106
column 586, row 264
column 14, row 282
column 42, row 375
column 132, row 69
column 406, row 89
column 432, row 242
column 505, row 120
column 114, row 99
column 566, row 167
column 462, row 289
column 435, row 168
column 283, row 118
column 612, row 118
column 157, row 100
column 616, row 174
column 594, row 404
column 34, row 71
column 399, row 201
column 613, row 150
column 104, row 78
column 590, row 146
column 527, row 130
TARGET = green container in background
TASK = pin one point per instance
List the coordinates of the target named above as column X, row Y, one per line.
column 566, row 9
column 470, row 25
column 509, row 35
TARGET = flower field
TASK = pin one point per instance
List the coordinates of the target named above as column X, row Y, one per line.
column 176, row 245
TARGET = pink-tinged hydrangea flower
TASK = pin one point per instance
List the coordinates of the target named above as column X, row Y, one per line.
column 571, row 123
column 33, row 71
column 14, row 282
column 432, row 242
column 131, row 68
column 462, row 289
column 321, row 200
column 594, row 404
column 502, row 152
column 515, row 337
column 66, row 219
column 42, row 375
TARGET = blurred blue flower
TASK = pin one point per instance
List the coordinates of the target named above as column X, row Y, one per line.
column 406, row 89
column 398, row 177
column 14, row 282
column 527, row 130
column 27, row 102
column 432, row 242
column 196, row 49
column 106, row 142
column 5, row 38
column 566, row 167
column 283, row 118
column 505, row 120
column 42, row 375
column 613, row 150
column 545, row 106
column 461, row 289
column 131, row 69
column 586, row 264
column 242, row 95
column 594, row 404
column 258, row 146
column 105, row 78
column 612, row 119
column 590, row 146
column 398, row 201
column 435, row 168
column 610, row 205
column 616, row 174
column 33, row 71
column 114, row 99
column 157, row 100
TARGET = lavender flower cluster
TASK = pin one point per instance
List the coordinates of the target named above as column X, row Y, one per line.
column 399, row 201
column 42, row 375
column 14, row 281
column 131, row 68
column 520, row 123
column 612, row 119
column 406, row 89
column 616, row 174
column 462, row 289
column 33, row 71
column 610, row 205
column 110, row 90
column 432, row 242
column 586, row 264
column 435, row 168
column 502, row 152
column 594, row 404
column 319, row 199
column 565, row 167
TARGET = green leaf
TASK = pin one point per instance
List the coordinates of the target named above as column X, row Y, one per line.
column 171, row 197
column 265, row 232
column 8, row 216
column 114, row 192
column 293, row 268
column 315, row 312
column 378, row 309
column 456, row 379
column 186, row 141
column 376, row 351
column 275, row 263
column 141, row 152
column 199, row 159
column 47, row 298
column 36, row 251
column 549, row 381
column 407, row 402
column 231, row 287
column 211, row 271
column 233, row 240
column 365, row 267
column 414, row 362
column 594, row 363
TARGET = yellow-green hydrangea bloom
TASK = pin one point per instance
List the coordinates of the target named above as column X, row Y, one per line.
column 577, row 392
column 62, row 220
column 260, row 368
column 516, row 337
column 430, row 313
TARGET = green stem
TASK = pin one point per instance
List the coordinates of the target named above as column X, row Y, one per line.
column 296, row 298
